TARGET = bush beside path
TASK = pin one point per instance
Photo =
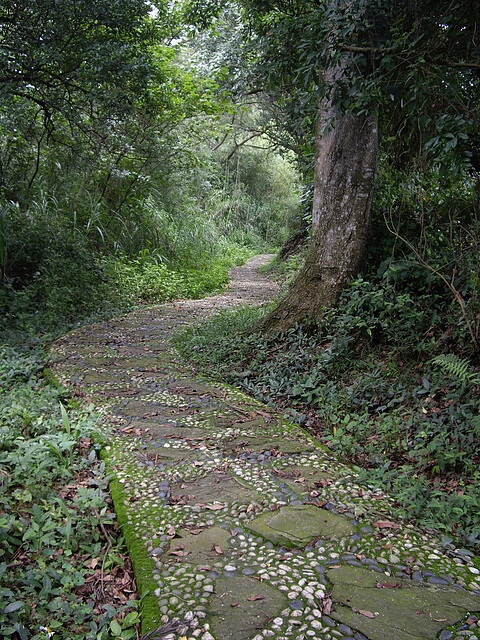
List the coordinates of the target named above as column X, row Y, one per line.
column 239, row 524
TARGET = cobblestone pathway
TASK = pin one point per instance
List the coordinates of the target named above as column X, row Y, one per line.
column 239, row 525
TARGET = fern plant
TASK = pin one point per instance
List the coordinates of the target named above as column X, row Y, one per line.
column 458, row 368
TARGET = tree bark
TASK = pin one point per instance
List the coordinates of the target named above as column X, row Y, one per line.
column 345, row 167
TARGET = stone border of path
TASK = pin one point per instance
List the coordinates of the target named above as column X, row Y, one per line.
column 240, row 526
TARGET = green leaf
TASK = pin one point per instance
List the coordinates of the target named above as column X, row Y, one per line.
column 14, row 606
column 131, row 619
column 115, row 628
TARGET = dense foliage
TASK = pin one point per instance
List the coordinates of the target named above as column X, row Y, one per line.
column 114, row 197
column 62, row 560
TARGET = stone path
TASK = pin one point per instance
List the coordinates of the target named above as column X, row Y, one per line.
column 239, row 524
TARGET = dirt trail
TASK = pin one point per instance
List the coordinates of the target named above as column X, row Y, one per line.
column 240, row 526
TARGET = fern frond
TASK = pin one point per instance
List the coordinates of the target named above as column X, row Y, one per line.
column 456, row 367
column 476, row 425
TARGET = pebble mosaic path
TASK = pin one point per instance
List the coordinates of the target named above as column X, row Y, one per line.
column 241, row 525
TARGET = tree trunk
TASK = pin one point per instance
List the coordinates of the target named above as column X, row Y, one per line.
column 345, row 166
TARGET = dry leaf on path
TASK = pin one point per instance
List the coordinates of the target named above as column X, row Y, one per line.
column 362, row 612
column 213, row 507
column 389, row 585
column 326, row 605
column 386, row 524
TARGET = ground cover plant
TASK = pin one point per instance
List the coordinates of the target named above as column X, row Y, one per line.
column 63, row 565
column 371, row 381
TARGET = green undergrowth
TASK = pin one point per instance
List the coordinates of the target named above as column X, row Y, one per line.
column 62, row 557
column 382, row 381
column 68, row 292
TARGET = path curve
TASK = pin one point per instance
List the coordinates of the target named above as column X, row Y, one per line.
column 240, row 526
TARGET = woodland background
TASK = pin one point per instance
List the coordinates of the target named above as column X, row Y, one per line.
column 147, row 148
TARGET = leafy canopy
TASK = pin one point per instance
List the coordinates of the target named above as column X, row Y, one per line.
column 63, row 54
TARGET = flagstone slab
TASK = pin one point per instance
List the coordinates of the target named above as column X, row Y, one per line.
column 139, row 409
column 302, row 479
column 161, row 455
column 241, row 607
column 171, row 431
column 213, row 487
column 260, row 444
column 143, row 363
column 101, row 377
column 200, row 548
column 192, row 387
column 298, row 525
column 382, row 607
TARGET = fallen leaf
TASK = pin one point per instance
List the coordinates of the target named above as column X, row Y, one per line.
column 180, row 554
column 204, row 567
column 326, row 605
column 317, row 503
column 264, row 414
column 93, row 563
column 218, row 550
column 367, row 614
column 213, row 507
column 234, row 604
column 389, row 585
column 386, row 524
column 254, row 598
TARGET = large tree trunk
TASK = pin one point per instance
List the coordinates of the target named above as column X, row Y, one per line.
column 345, row 166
